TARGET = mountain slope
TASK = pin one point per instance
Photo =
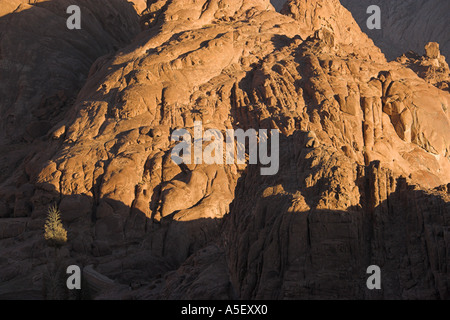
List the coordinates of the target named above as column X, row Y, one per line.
column 364, row 163
column 406, row 25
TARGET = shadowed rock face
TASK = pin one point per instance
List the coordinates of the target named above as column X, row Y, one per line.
column 44, row 65
column 406, row 25
column 33, row 39
column 364, row 163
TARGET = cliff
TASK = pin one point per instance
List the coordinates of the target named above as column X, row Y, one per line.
column 363, row 173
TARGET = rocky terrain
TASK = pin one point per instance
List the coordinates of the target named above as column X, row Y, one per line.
column 432, row 66
column 86, row 121
column 405, row 25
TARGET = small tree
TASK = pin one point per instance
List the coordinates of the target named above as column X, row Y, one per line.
column 56, row 237
column 55, row 234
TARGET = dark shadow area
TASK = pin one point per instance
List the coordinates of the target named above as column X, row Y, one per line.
column 279, row 241
column 121, row 244
column 45, row 65
column 280, row 245
column 405, row 25
column 276, row 242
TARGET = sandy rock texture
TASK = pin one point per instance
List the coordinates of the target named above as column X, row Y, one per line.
column 364, row 161
column 432, row 66
column 405, row 25
column 44, row 65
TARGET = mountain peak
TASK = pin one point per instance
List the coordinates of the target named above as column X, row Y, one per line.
column 139, row 161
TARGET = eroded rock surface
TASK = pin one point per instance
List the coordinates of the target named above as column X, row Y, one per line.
column 432, row 66
column 44, row 65
column 364, row 163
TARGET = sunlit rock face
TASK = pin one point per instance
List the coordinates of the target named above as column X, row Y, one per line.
column 405, row 25
column 363, row 161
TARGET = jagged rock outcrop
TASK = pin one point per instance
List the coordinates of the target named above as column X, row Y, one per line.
column 356, row 134
column 432, row 66
column 405, row 25
column 288, row 243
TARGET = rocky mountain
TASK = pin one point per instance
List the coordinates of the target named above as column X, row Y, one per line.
column 432, row 66
column 405, row 25
column 44, row 65
column 364, row 166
